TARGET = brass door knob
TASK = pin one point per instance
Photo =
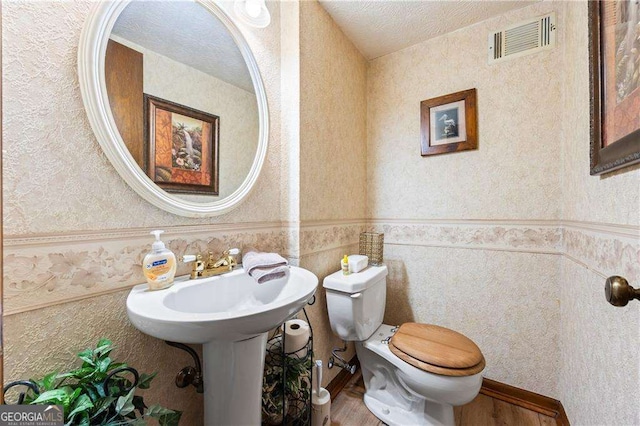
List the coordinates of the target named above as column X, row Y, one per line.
column 618, row 291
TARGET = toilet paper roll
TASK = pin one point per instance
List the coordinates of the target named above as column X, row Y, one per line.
column 296, row 337
column 321, row 408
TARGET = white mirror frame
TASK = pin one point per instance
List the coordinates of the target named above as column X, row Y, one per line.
column 91, row 60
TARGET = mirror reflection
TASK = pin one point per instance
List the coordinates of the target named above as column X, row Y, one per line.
column 182, row 98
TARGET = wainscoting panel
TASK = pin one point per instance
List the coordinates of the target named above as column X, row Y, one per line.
column 44, row 270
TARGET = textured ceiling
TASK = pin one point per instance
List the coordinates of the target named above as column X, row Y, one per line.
column 380, row 27
column 185, row 32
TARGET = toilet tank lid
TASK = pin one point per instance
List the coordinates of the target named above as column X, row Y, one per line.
column 354, row 283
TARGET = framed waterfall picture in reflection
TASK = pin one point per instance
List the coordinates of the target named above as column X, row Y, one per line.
column 182, row 147
column 614, row 54
column 449, row 123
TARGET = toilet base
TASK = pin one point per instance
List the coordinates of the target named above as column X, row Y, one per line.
column 400, row 394
column 442, row 415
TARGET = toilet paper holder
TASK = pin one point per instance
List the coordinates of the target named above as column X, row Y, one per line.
column 288, row 378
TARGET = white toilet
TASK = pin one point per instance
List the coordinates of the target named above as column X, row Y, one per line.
column 414, row 374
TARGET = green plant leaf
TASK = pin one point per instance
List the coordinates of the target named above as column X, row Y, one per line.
column 75, row 394
column 116, row 391
column 125, row 403
column 89, row 390
column 145, row 380
column 102, row 364
column 81, row 393
column 165, row 416
column 104, row 342
column 54, row 396
column 87, row 357
column 102, row 405
column 127, row 422
column 98, row 376
column 85, row 421
column 103, row 349
column 98, row 389
column 80, row 373
column 116, row 365
column 156, row 411
column 82, row 404
column 48, row 381
column 81, row 420
column 172, row 419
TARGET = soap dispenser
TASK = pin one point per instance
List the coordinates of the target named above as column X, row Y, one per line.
column 159, row 265
column 344, row 263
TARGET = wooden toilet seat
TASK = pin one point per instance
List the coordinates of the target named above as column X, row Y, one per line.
column 437, row 350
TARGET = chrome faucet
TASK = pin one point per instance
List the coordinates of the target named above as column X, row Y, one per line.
column 212, row 267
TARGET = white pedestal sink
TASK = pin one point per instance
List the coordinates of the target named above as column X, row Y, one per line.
column 230, row 315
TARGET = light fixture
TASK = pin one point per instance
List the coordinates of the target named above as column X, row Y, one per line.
column 252, row 12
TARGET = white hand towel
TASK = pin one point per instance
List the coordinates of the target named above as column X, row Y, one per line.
column 263, row 275
column 263, row 266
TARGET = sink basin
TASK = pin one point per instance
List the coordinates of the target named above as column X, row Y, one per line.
column 228, row 307
column 230, row 315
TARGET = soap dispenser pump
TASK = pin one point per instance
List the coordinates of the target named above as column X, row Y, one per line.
column 159, row 265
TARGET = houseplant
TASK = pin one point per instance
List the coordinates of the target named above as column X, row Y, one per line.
column 99, row 392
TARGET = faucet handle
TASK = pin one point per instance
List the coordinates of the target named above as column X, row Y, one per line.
column 227, row 259
column 198, row 264
column 232, row 253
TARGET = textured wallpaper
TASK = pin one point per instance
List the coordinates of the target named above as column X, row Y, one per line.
column 599, row 343
column 56, row 177
column 599, row 352
column 333, row 107
column 614, row 197
column 514, row 174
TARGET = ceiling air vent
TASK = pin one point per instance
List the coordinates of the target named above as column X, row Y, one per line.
column 523, row 38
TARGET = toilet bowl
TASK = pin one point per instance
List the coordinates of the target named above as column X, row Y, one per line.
column 397, row 392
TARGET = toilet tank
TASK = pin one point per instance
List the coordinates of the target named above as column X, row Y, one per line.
column 356, row 302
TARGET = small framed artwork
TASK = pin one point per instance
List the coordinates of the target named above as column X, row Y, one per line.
column 182, row 147
column 614, row 55
column 449, row 123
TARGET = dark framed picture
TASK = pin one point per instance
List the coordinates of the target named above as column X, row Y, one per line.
column 449, row 123
column 182, row 147
column 614, row 55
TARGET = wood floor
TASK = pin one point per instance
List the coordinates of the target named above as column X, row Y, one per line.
column 348, row 409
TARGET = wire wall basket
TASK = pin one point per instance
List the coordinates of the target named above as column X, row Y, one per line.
column 286, row 384
column 372, row 246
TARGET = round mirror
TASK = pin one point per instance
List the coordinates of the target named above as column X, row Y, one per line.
column 174, row 96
